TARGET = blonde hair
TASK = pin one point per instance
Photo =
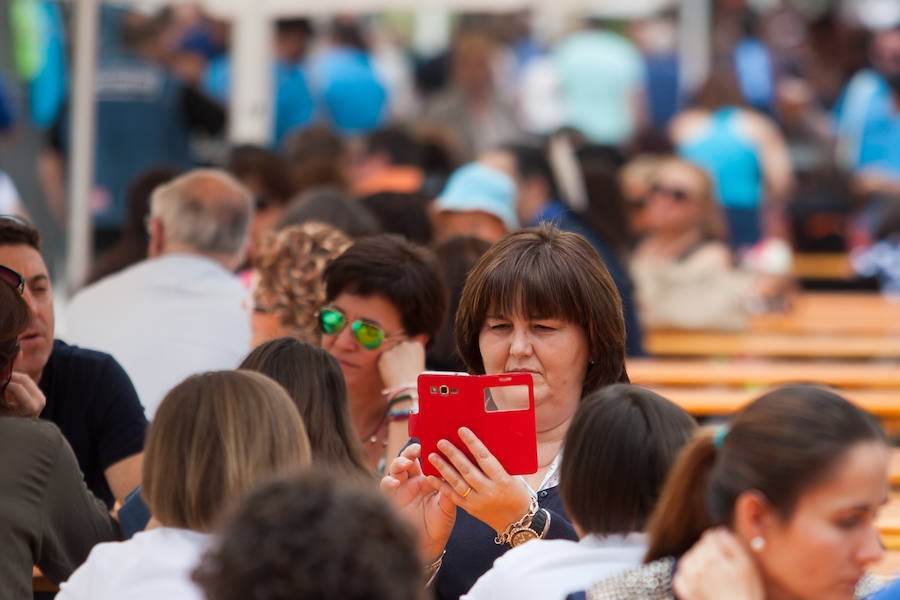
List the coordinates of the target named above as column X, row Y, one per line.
column 641, row 170
column 215, row 435
column 290, row 265
column 712, row 223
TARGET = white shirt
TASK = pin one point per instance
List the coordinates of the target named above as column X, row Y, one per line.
column 152, row 565
column 552, row 569
column 164, row 319
column 10, row 202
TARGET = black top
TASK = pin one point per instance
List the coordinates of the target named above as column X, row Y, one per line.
column 471, row 550
column 92, row 400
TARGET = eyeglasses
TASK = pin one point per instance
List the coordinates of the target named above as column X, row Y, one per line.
column 13, row 279
column 679, row 195
column 370, row 336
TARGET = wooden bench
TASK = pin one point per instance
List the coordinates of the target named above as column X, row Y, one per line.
column 834, row 313
column 788, row 345
column 819, row 325
column 815, row 265
column 711, row 401
column 763, row 372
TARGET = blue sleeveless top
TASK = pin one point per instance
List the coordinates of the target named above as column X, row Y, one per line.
column 730, row 158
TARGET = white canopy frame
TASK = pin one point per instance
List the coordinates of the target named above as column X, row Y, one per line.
column 250, row 107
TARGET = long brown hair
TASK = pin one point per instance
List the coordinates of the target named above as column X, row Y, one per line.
column 214, row 436
column 314, row 381
column 783, row 444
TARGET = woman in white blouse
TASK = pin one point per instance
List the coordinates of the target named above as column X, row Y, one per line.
column 618, row 451
column 213, row 437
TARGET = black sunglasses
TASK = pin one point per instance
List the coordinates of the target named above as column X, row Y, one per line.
column 13, row 279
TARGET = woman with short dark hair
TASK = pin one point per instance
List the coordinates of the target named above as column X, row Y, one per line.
column 540, row 301
column 385, row 300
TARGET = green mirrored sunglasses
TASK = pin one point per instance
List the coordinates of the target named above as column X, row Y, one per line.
column 369, row 336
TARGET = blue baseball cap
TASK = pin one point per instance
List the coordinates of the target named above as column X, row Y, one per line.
column 478, row 187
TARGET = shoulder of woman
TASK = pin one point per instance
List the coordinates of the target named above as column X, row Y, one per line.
column 686, row 122
column 652, row 581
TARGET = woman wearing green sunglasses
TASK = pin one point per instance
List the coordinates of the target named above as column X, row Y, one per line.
column 384, row 301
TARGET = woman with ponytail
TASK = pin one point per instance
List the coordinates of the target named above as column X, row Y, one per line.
column 796, row 480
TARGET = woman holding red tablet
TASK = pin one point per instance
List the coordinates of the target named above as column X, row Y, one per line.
column 541, row 302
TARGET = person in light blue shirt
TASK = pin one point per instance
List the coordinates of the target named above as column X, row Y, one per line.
column 601, row 80
column 868, row 113
column 349, row 91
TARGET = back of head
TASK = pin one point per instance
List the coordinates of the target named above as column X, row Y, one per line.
column 332, row 207
column 406, row 274
column 547, row 273
column 402, row 214
column 721, row 89
column 215, row 435
column 313, row 537
column 290, row 263
column 622, row 442
column 782, row 445
column 261, row 170
column 396, row 143
column 205, row 210
column 456, row 256
column 314, row 381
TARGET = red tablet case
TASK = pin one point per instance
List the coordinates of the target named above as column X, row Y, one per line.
column 448, row 401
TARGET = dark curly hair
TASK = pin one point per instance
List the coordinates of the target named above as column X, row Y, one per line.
column 313, row 537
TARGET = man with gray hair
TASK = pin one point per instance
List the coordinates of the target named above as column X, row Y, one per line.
column 180, row 311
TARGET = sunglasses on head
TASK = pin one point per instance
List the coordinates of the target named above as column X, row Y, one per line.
column 12, row 278
column 332, row 321
column 677, row 194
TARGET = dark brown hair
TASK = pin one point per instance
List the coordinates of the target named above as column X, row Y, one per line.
column 543, row 272
column 622, row 442
column 16, row 230
column 14, row 318
column 313, row 536
column 405, row 274
column 457, row 256
column 314, row 381
column 782, row 445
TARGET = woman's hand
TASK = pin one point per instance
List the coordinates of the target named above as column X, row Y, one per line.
column 484, row 490
column 432, row 514
column 717, row 566
column 402, row 363
column 22, row 398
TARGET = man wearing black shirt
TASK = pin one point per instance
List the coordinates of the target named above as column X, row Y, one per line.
column 89, row 396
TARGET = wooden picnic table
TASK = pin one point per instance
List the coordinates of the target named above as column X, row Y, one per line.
column 834, row 313
column 754, row 343
column 819, row 325
column 822, row 265
column 763, row 372
column 709, row 400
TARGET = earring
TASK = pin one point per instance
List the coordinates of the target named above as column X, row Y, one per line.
column 757, row 543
